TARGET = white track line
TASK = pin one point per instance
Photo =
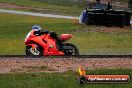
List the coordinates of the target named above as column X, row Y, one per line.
column 38, row 14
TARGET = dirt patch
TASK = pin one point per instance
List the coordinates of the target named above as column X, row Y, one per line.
column 27, row 8
column 104, row 29
column 10, row 65
column 9, row 6
column 113, row 29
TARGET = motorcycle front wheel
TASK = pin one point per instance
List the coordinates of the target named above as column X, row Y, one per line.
column 34, row 52
column 70, row 49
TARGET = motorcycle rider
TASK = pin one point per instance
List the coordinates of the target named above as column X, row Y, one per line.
column 38, row 32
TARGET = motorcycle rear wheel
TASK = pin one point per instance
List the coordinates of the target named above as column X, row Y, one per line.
column 34, row 52
column 70, row 49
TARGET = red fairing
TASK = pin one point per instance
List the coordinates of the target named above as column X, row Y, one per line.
column 49, row 46
column 65, row 37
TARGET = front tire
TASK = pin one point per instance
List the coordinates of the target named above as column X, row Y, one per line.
column 34, row 52
column 70, row 49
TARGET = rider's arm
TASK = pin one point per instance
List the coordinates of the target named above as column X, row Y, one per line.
column 44, row 32
column 38, row 33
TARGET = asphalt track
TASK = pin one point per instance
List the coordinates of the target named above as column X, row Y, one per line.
column 40, row 14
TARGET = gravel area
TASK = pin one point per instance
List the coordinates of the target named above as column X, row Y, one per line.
column 11, row 65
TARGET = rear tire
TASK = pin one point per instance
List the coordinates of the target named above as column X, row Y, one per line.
column 70, row 49
column 37, row 52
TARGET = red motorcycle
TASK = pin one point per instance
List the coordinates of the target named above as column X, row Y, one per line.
column 47, row 45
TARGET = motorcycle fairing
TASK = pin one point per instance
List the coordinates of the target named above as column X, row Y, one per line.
column 49, row 48
column 65, row 37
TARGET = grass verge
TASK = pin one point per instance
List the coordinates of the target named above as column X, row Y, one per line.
column 57, row 80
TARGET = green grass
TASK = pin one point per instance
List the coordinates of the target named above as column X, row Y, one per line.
column 51, row 7
column 57, row 80
column 103, row 43
column 13, row 29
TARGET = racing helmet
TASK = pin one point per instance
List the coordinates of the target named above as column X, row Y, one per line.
column 36, row 28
